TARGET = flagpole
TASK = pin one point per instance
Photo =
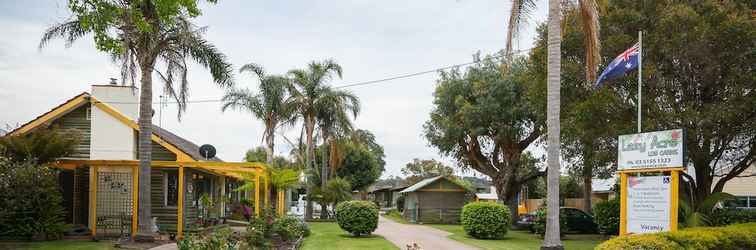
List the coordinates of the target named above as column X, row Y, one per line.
column 640, row 63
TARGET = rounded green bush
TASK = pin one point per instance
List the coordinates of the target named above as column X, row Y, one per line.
column 643, row 241
column 357, row 217
column 485, row 220
column 290, row 228
column 737, row 236
column 606, row 214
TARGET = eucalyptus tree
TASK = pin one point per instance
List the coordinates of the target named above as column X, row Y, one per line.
column 147, row 37
column 312, row 99
column 268, row 105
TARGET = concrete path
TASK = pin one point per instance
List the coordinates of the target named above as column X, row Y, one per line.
column 426, row 237
column 169, row 246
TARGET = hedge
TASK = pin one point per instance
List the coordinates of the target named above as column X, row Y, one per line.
column 485, row 220
column 736, row 236
column 606, row 214
column 357, row 217
column 727, row 216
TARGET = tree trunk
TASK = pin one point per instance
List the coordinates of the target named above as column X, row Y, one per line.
column 551, row 239
column 324, row 175
column 270, row 141
column 309, row 127
column 506, row 196
column 587, row 179
column 144, row 229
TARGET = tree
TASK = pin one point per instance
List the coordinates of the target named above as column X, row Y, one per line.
column 701, row 80
column 359, row 166
column 269, row 105
column 418, row 170
column 146, row 34
column 589, row 22
column 41, row 146
column 485, row 120
column 310, row 97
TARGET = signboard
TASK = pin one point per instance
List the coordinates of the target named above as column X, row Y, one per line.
column 649, row 204
column 653, row 150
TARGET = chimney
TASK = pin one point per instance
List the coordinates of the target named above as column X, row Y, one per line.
column 110, row 138
column 123, row 98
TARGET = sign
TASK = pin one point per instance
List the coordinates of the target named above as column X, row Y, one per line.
column 660, row 149
column 649, row 204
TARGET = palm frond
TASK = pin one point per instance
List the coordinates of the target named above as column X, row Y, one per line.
column 69, row 31
column 589, row 19
column 518, row 15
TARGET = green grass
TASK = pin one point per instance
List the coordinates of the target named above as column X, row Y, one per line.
column 58, row 245
column 396, row 216
column 328, row 235
column 519, row 240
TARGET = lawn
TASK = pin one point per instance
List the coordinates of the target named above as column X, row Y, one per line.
column 519, row 240
column 396, row 217
column 59, row 245
column 328, row 235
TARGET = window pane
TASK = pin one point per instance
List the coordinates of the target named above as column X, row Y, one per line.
column 739, row 201
column 171, row 189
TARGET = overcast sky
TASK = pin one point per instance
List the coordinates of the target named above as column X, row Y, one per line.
column 370, row 39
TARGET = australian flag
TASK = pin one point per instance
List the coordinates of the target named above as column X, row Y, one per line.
column 625, row 62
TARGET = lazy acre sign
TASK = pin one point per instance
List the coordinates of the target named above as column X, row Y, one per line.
column 649, row 203
column 653, row 150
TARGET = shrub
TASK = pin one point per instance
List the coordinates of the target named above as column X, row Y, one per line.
column 736, row 236
column 258, row 233
column 357, row 217
column 639, row 242
column 539, row 225
column 606, row 214
column 485, row 220
column 290, row 228
column 400, row 203
column 221, row 239
column 727, row 216
column 30, row 201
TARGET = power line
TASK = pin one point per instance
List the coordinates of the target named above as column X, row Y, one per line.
column 348, row 85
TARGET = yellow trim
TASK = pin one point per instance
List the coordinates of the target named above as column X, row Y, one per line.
column 227, row 166
column 675, row 192
column 441, row 190
column 623, row 203
column 52, row 115
column 641, row 170
column 180, row 155
column 135, row 199
column 257, row 195
column 93, row 200
column 180, row 220
column 281, row 203
column 267, row 192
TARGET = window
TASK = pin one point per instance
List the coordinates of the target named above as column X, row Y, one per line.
column 171, row 189
column 742, row 202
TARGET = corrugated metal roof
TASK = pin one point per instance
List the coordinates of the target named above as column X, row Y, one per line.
column 603, row 185
column 421, row 184
column 182, row 144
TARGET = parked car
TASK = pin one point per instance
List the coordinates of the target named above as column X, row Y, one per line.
column 577, row 221
column 526, row 221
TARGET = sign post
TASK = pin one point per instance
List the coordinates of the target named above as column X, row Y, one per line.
column 649, row 203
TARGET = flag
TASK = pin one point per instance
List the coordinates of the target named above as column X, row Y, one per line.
column 625, row 62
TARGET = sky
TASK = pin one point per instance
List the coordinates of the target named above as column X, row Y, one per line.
column 370, row 39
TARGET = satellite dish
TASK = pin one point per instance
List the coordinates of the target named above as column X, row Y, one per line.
column 207, row 151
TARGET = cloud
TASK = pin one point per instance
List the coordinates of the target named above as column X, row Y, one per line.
column 371, row 40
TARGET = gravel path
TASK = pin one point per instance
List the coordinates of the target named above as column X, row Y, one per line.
column 427, row 238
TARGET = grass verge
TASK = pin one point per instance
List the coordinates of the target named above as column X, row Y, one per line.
column 396, row 217
column 328, row 235
column 58, row 245
column 519, row 240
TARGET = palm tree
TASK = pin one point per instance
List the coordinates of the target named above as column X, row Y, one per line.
column 312, row 99
column 152, row 45
column 589, row 22
column 268, row 105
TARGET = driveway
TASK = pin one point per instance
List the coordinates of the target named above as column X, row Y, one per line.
column 426, row 237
